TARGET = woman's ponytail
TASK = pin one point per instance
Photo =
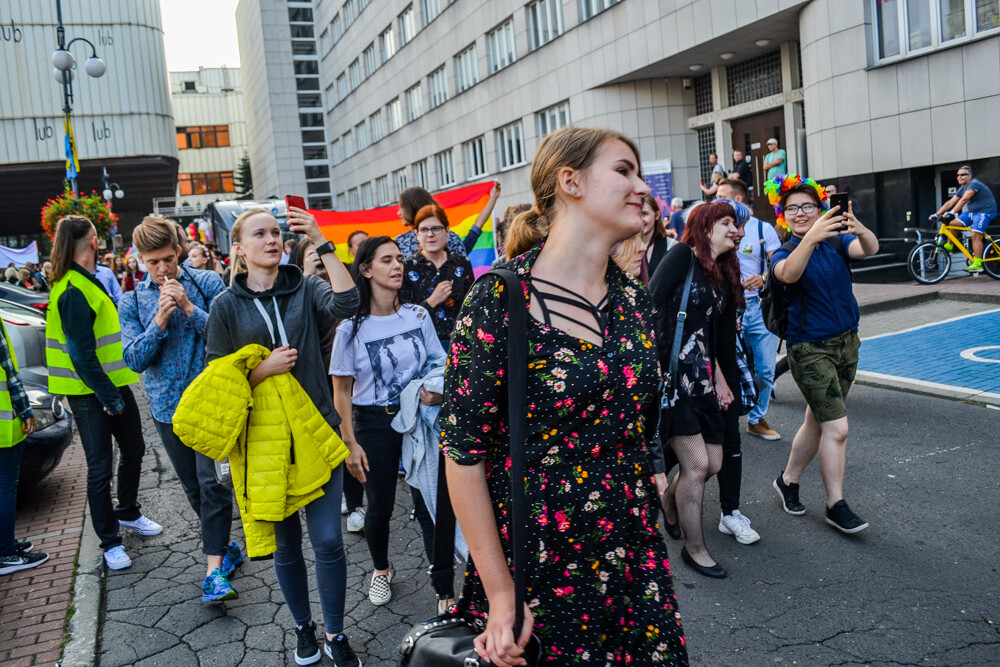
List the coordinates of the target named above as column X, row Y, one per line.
column 70, row 231
column 525, row 231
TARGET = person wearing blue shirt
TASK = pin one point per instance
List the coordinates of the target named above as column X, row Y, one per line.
column 107, row 278
column 980, row 210
column 163, row 335
column 822, row 336
column 676, row 218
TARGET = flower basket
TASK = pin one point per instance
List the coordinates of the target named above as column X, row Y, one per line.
column 90, row 205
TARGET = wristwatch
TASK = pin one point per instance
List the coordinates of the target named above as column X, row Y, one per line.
column 325, row 248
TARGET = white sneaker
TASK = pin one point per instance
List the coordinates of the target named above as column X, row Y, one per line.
column 343, row 506
column 143, row 526
column 380, row 592
column 117, row 559
column 738, row 526
column 356, row 521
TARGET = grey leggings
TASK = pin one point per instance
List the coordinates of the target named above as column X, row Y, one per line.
column 323, row 521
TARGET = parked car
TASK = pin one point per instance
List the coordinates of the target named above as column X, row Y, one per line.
column 24, row 296
column 44, row 448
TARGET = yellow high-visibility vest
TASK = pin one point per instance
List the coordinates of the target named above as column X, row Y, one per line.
column 63, row 378
column 11, row 428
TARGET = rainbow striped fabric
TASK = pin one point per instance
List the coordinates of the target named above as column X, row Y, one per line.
column 462, row 205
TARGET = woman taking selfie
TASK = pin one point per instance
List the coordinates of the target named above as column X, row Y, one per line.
column 691, row 424
column 375, row 355
column 277, row 307
column 600, row 582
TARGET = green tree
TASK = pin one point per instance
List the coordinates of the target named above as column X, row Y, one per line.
column 243, row 179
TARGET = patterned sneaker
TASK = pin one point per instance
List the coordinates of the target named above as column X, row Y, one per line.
column 380, row 592
column 843, row 519
column 23, row 547
column 340, row 651
column 231, row 559
column 216, row 588
column 307, row 651
column 143, row 526
column 356, row 521
column 738, row 526
column 21, row 561
column 789, row 496
column 117, row 559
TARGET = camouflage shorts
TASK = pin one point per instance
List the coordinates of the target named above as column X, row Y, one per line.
column 824, row 372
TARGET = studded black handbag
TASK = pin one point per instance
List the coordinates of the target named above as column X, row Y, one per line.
column 447, row 640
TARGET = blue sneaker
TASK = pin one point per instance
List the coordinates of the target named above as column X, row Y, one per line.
column 232, row 558
column 216, row 588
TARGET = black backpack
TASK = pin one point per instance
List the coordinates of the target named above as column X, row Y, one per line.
column 776, row 297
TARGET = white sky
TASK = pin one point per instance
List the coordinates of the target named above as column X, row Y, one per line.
column 200, row 33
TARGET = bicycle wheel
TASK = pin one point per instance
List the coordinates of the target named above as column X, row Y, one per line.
column 928, row 263
column 992, row 267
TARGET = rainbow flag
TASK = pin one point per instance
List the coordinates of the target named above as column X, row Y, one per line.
column 462, row 205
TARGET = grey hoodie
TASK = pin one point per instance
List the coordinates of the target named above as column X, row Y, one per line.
column 234, row 321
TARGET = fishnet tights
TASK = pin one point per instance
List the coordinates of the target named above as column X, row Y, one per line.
column 699, row 461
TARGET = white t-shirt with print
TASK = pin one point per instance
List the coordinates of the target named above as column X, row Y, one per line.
column 749, row 251
column 386, row 354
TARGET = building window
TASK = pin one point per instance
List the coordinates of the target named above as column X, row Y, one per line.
column 306, row 67
column 324, row 42
column 382, row 190
column 414, row 103
column 369, row 57
column 591, row 8
column 407, row 26
column 204, row 136
column 367, row 200
column 908, row 26
column 703, row 94
column 342, row 201
column 302, row 31
column 337, row 28
column 348, row 13
column 342, row 87
column 189, row 87
column 755, row 78
column 394, row 112
column 307, row 83
column 430, row 9
column 300, row 15
column 387, row 43
column 314, row 153
column 321, row 203
column 444, row 163
column 206, row 183
column 337, row 151
column 466, row 70
column 399, row 180
column 361, row 136
column 315, row 171
column 545, row 22
column 706, row 146
column 475, row 158
column 362, row 4
column 310, row 101
column 310, row 120
column 353, row 200
column 355, row 71
column 303, row 47
column 501, row 46
column 510, row 146
column 420, row 178
column 987, row 15
column 348, row 141
column 551, row 119
column 376, row 127
column 313, row 136
column 438, row 83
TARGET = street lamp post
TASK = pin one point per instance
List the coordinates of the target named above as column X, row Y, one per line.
column 63, row 62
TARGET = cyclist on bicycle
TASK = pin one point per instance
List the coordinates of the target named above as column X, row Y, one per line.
column 981, row 209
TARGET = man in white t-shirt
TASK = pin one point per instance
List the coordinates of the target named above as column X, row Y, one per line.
column 754, row 255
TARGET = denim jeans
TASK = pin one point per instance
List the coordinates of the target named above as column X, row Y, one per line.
column 765, row 348
column 96, row 430
column 211, row 502
column 323, row 521
column 10, row 461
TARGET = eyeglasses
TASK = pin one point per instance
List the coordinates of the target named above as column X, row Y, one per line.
column 808, row 209
column 424, row 231
column 961, row 174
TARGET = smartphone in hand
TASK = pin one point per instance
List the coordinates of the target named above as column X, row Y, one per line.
column 842, row 200
column 297, row 202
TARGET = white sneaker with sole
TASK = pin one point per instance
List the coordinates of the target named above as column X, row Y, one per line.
column 738, row 526
column 356, row 521
column 117, row 559
column 343, row 506
column 143, row 526
column 380, row 592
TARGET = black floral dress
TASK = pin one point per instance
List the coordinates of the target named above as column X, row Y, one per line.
column 598, row 575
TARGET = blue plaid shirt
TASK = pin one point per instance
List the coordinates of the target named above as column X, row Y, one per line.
column 18, row 397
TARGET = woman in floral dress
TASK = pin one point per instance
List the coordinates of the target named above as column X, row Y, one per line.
column 598, row 577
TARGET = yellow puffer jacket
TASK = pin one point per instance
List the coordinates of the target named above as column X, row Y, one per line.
column 281, row 450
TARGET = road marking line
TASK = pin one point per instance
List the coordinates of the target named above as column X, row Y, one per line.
column 968, row 392
column 936, row 452
column 933, row 324
column 971, row 355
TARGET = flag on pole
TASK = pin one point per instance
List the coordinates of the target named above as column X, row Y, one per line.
column 462, row 206
column 72, row 164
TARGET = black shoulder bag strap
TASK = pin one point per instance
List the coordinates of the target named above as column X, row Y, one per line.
column 760, row 243
column 517, row 428
column 675, row 349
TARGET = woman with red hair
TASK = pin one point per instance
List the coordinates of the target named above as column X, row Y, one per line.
column 694, row 398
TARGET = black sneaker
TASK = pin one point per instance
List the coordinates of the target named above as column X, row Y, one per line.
column 339, row 650
column 307, row 651
column 843, row 519
column 21, row 561
column 23, row 547
column 789, row 497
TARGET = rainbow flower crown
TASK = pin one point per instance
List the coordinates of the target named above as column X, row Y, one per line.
column 785, row 182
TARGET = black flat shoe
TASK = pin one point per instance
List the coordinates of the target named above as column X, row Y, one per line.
column 673, row 529
column 714, row 571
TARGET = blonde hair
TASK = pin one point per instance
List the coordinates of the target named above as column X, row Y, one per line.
column 573, row 147
column 9, row 273
column 154, row 233
column 240, row 264
column 626, row 252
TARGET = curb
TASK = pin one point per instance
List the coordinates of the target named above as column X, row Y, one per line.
column 88, row 593
column 924, row 297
